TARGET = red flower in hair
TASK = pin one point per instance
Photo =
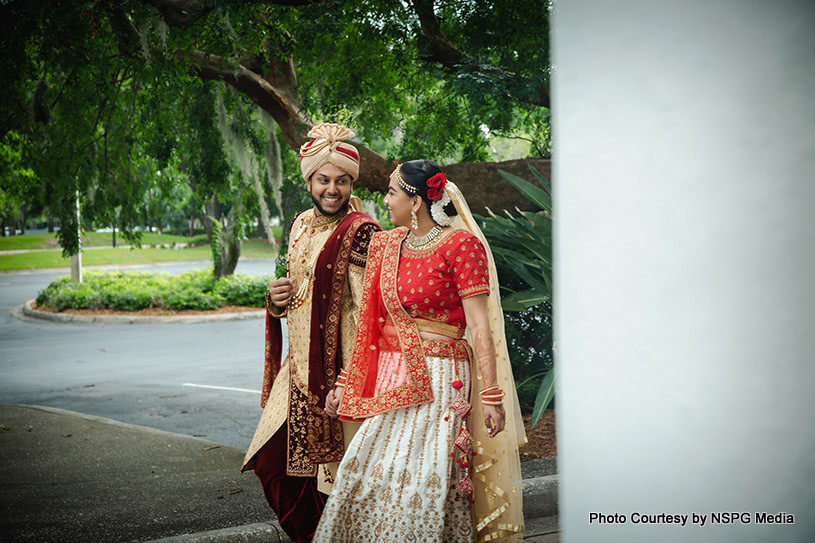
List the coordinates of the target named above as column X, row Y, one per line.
column 435, row 186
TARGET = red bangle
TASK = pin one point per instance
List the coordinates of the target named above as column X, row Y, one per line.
column 495, row 392
column 341, row 379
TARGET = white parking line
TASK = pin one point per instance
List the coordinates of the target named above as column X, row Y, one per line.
column 221, row 388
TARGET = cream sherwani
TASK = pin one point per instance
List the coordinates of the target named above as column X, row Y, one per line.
column 308, row 236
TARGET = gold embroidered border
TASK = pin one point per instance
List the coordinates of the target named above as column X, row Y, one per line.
column 324, row 434
column 356, row 379
column 473, row 290
column 385, row 251
column 297, row 463
column 449, row 330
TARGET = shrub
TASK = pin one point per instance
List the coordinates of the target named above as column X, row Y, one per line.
column 46, row 294
column 529, row 341
column 76, row 296
column 131, row 291
column 128, row 297
column 522, row 246
column 195, row 279
column 241, row 289
column 190, row 298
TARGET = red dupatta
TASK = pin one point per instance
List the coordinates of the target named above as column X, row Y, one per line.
column 364, row 395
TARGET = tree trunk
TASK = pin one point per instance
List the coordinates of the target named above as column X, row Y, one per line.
column 212, row 212
column 229, row 256
column 484, row 187
column 274, row 166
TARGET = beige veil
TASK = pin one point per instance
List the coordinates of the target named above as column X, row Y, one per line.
column 498, row 507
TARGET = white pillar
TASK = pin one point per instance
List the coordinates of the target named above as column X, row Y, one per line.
column 685, row 266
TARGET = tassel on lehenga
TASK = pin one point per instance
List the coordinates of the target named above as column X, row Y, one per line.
column 464, row 443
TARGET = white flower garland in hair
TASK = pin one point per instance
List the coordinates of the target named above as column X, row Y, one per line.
column 437, row 210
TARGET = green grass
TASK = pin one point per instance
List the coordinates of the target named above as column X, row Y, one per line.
column 257, row 248
column 253, row 248
column 89, row 239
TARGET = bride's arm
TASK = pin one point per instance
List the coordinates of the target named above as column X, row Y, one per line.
column 475, row 311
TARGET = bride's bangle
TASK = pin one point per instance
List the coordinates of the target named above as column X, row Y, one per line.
column 341, row 379
column 492, row 396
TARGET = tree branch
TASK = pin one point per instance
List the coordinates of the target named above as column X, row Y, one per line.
column 443, row 51
column 182, row 13
column 274, row 100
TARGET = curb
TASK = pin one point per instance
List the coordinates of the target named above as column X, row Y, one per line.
column 540, row 517
column 540, row 496
column 261, row 532
column 27, row 310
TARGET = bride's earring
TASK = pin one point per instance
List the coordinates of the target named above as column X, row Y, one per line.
column 414, row 221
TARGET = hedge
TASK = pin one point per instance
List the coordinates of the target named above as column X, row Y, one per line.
column 131, row 291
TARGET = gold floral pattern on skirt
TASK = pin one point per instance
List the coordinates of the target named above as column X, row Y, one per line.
column 397, row 480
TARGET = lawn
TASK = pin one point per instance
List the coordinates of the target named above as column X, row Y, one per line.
column 89, row 239
column 253, row 248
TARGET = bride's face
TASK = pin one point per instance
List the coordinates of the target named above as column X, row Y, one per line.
column 399, row 203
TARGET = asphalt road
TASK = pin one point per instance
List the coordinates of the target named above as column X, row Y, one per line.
column 139, row 374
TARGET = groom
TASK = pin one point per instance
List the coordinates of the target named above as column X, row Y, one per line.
column 296, row 446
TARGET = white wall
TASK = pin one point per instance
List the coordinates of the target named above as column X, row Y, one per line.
column 685, row 265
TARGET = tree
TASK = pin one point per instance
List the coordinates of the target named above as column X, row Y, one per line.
column 17, row 182
column 323, row 59
column 94, row 87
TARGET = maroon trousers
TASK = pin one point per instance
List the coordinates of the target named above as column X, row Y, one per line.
column 296, row 500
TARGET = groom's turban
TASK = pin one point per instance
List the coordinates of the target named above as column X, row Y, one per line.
column 326, row 147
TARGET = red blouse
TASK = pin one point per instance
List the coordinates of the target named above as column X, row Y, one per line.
column 432, row 282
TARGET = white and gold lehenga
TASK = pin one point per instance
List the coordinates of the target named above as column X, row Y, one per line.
column 399, row 479
column 394, row 483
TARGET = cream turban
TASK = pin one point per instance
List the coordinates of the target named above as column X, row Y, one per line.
column 326, row 147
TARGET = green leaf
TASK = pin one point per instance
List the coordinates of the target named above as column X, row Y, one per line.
column 545, row 394
column 519, row 301
column 542, row 180
column 536, row 195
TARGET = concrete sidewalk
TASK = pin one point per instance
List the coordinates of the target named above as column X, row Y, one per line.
column 66, row 477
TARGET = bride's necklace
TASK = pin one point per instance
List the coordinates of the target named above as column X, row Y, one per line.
column 419, row 243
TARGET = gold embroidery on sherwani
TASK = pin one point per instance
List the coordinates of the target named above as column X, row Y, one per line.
column 324, row 434
column 297, row 463
column 293, row 374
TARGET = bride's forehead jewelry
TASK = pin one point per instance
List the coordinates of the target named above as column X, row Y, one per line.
column 408, row 188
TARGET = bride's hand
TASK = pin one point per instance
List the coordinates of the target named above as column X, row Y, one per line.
column 332, row 401
column 494, row 419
